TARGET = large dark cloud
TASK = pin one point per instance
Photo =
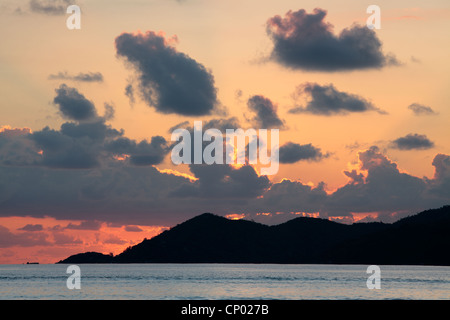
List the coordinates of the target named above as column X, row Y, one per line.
column 305, row 41
column 412, row 141
column 327, row 100
column 378, row 187
column 293, row 152
column 266, row 113
column 169, row 80
column 384, row 189
column 119, row 191
column 117, row 181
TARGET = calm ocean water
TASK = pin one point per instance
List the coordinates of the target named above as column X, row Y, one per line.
column 223, row 281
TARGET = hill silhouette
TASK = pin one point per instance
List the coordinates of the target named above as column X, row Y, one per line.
column 420, row 239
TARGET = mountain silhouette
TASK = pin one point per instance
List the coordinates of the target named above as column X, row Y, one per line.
column 422, row 239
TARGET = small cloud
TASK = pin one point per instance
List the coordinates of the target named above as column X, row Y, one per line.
column 412, row 141
column 327, row 100
column 129, row 92
column 421, row 110
column 133, row 229
column 85, row 225
column 32, row 227
column 80, row 77
column 50, row 7
column 266, row 113
column 112, row 239
column 73, row 105
column 415, row 60
column 293, row 152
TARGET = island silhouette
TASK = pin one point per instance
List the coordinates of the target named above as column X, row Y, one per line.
column 420, row 239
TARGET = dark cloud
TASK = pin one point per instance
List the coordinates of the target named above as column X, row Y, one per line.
column 73, row 105
column 220, row 124
column 440, row 184
column 84, row 225
column 355, row 177
column 24, row 239
column 377, row 186
column 383, row 189
column 87, row 142
column 327, row 100
column 120, row 192
column 306, row 41
column 294, row 152
column 224, row 181
column 32, row 227
column 141, row 153
column 290, row 197
column 80, row 77
column 412, row 141
column 50, row 7
column 60, row 238
column 420, row 109
column 169, row 81
column 133, row 229
column 129, row 92
column 63, row 151
column 266, row 113
column 16, row 148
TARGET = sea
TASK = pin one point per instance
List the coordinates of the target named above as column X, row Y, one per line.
column 222, row 281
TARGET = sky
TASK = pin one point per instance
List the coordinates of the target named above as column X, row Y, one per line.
column 86, row 115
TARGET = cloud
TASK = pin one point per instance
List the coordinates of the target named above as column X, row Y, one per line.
column 377, row 187
column 170, row 81
column 85, row 142
column 117, row 181
column 412, row 141
column 60, row 238
column 133, row 229
column 289, row 197
column 50, row 7
column 421, row 110
column 383, row 189
column 16, row 147
column 294, row 152
column 440, row 184
column 140, row 153
column 327, row 100
column 73, row 105
column 224, row 181
column 25, row 239
column 32, row 227
column 80, row 77
column 129, row 92
column 266, row 113
column 85, row 225
column 305, row 41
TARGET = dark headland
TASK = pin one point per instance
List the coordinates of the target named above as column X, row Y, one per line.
column 421, row 239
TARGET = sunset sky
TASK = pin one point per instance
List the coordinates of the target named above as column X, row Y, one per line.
column 86, row 115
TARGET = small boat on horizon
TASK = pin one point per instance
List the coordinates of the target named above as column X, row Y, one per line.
column 32, row 262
